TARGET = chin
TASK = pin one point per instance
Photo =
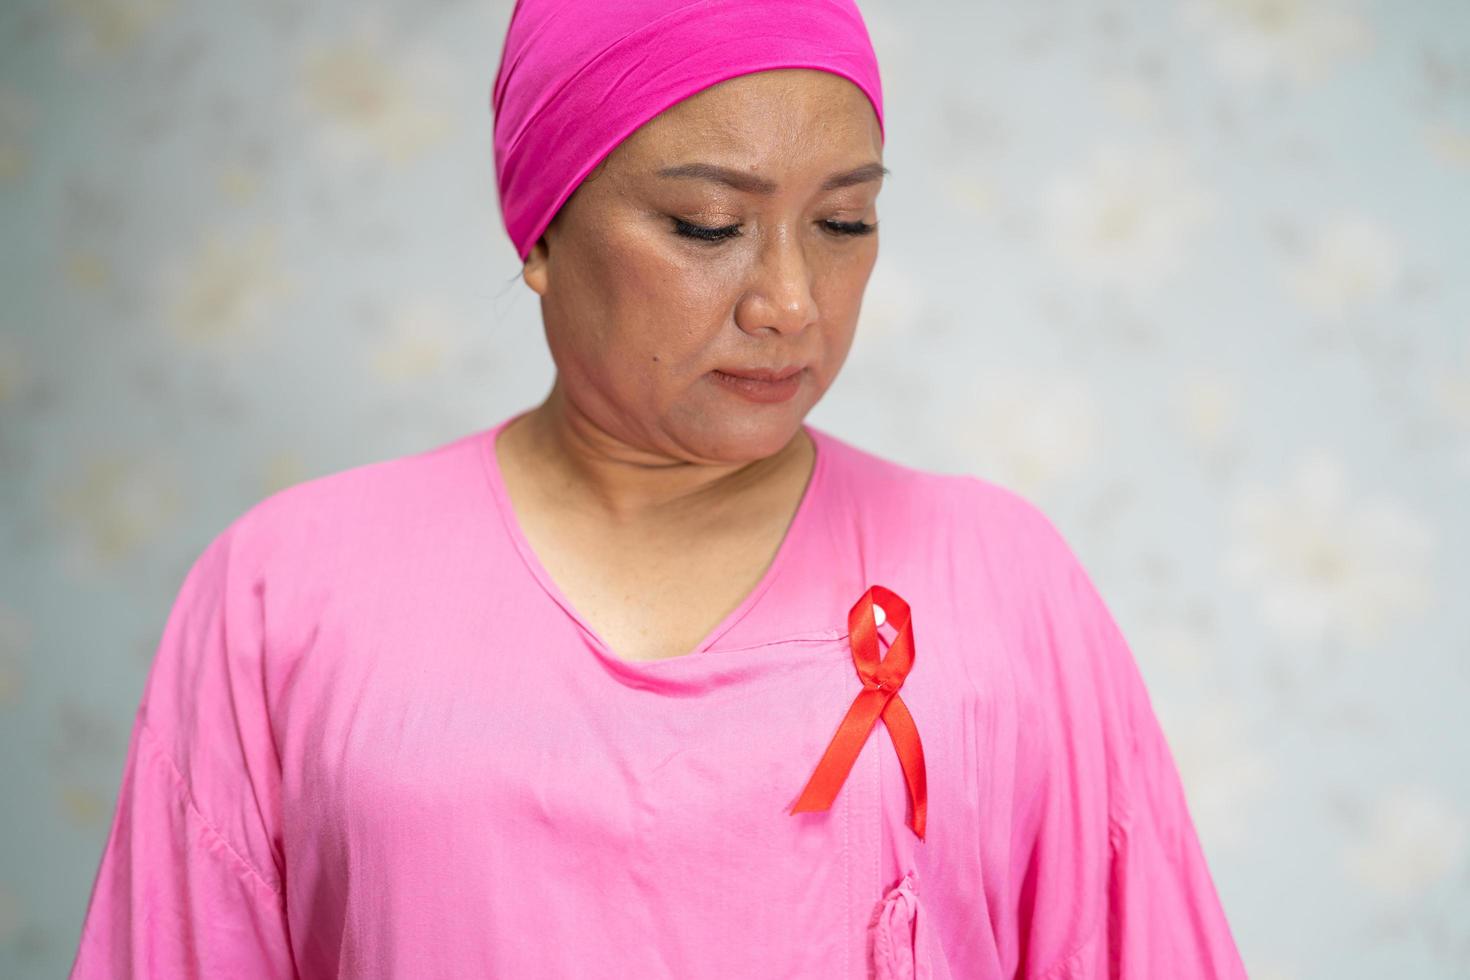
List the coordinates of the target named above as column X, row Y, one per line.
column 755, row 435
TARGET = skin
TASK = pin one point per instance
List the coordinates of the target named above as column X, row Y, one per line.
column 638, row 459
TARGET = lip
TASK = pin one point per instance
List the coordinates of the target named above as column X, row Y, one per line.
column 762, row 374
column 775, row 386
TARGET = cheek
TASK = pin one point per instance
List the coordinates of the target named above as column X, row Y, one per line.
column 842, row 287
column 642, row 330
column 841, row 301
column 664, row 305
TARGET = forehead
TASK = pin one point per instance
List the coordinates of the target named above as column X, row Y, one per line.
column 762, row 112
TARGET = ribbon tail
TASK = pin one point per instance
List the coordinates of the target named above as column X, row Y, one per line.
column 830, row 773
column 905, row 735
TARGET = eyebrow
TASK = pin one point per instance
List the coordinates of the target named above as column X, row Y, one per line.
column 751, row 184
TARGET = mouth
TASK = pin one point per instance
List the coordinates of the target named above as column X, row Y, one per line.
column 760, row 374
column 766, row 386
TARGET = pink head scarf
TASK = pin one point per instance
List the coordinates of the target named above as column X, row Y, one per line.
column 577, row 77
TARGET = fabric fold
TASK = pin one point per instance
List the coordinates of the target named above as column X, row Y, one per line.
column 899, row 935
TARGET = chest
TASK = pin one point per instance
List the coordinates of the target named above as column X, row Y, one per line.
column 528, row 797
column 654, row 595
column 494, row 781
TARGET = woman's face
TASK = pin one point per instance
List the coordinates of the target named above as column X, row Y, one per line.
column 641, row 310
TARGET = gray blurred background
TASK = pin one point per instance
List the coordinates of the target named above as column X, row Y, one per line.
column 1194, row 277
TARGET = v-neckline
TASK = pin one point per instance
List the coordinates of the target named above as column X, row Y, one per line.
column 496, row 478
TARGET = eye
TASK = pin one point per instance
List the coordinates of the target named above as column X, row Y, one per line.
column 702, row 233
column 850, row 227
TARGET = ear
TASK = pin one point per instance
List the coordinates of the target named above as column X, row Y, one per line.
column 534, row 272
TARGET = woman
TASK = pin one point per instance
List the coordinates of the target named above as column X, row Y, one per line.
column 654, row 679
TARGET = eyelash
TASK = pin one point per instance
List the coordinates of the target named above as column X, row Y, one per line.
column 716, row 235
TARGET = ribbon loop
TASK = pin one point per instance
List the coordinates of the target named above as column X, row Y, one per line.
column 881, row 678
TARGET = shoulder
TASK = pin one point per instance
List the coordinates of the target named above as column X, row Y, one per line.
column 348, row 537
column 360, row 516
column 972, row 513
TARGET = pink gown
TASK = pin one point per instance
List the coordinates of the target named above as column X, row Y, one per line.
column 377, row 741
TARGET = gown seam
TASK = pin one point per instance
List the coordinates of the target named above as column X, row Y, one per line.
column 187, row 795
column 1063, row 967
column 1117, row 830
column 847, row 869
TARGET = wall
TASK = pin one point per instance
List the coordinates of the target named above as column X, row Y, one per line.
column 1192, row 276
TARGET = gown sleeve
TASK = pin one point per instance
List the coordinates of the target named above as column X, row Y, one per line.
column 1116, row 884
column 189, row 883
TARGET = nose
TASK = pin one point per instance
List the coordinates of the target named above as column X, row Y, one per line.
column 779, row 297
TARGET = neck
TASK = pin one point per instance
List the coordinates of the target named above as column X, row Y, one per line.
column 631, row 477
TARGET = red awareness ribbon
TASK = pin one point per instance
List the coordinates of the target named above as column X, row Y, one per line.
column 878, row 699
